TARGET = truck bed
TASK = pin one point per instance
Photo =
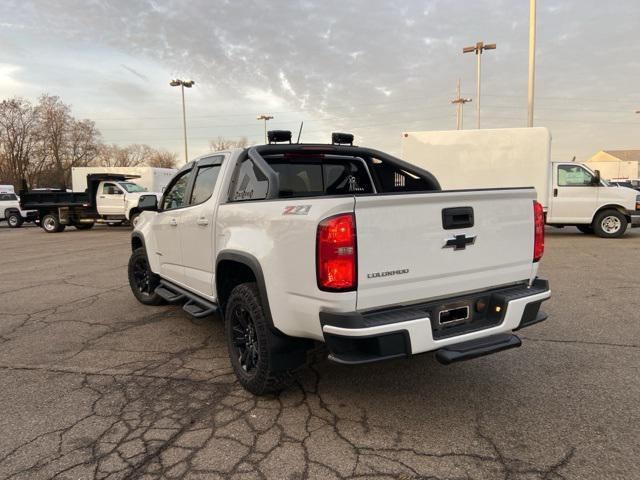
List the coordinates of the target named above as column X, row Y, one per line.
column 33, row 200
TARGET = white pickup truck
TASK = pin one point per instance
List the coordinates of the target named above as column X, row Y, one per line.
column 108, row 198
column 296, row 244
column 10, row 210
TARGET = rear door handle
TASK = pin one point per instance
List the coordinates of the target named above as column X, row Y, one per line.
column 202, row 221
column 173, row 222
column 555, row 192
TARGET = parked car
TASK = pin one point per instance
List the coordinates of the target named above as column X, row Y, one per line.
column 571, row 193
column 295, row 244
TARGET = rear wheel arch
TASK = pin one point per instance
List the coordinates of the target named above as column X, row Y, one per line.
column 232, row 269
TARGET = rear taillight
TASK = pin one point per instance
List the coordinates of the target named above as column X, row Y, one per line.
column 538, row 235
column 336, row 254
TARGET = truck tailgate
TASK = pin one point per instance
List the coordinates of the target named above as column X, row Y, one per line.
column 403, row 255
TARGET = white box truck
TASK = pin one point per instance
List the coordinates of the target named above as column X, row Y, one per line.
column 571, row 193
column 151, row 179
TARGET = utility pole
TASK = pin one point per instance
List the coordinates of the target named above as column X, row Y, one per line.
column 188, row 84
column 265, row 118
column 459, row 103
column 478, row 49
column 532, row 59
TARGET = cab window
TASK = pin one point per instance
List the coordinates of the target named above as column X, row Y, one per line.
column 573, row 176
column 5, row 197
column 110, row 189
column 176, row 193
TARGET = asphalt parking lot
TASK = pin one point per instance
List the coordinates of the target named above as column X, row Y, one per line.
column 95, row 385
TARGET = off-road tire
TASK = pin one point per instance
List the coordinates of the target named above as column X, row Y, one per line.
column 84, row 226
column 605, row 222
column 51, row 223
column 262, row 379
column 15, row 220
column 588, row 229
column 139, row 265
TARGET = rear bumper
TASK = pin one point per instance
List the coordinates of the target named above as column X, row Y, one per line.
column 635, row 218
column 357, row 337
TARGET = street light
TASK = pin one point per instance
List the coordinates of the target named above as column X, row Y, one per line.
column 182, row 84
column 532, row 60
column 265, row 118
column 478, row 49
column 459, row 103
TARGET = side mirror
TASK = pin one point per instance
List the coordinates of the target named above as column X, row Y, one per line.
column 148, row 203
column 596, row 178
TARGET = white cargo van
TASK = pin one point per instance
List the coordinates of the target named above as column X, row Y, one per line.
column 571, row 193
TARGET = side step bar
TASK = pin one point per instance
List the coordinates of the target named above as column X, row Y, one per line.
column 195, row 306
column 477, row 348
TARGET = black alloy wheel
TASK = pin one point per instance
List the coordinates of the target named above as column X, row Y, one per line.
column 142, row 280
column 141, row 275
column 245, row 341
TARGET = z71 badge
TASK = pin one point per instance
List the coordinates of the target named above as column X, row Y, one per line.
column 297, row 210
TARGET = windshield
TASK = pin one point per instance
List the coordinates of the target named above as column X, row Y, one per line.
column 7, row 196
column 132, row 187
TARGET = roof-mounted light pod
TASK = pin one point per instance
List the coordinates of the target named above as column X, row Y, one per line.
column 338, row 138
column 279, row 136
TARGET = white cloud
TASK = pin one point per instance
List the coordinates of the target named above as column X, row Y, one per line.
column 8, row 72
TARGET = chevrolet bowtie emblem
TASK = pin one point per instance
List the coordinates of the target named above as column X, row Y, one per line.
column 459, row 242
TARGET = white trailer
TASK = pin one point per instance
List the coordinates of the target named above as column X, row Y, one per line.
column 570, row 192
column 487, row 158
column 615, row 169
column 152, row 179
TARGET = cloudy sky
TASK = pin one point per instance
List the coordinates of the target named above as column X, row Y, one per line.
column 374, row 68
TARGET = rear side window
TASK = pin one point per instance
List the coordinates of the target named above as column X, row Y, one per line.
column 392, row 179
column 4, row 197
column 304, row 178
column 204, row 184
column 250, row 184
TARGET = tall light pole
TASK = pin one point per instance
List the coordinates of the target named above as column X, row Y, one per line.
column 478, row 49
column 182, row 84
column 532, row 59
column 459, row 103
column 265, row 118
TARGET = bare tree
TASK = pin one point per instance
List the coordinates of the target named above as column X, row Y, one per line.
column 67, row 142
column 117, row 156
column 18, row 139
column 222, row 143
column 135, row 155
column 163, row 159
column 43, row 142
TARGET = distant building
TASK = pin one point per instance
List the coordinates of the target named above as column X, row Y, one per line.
column 616, row 163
